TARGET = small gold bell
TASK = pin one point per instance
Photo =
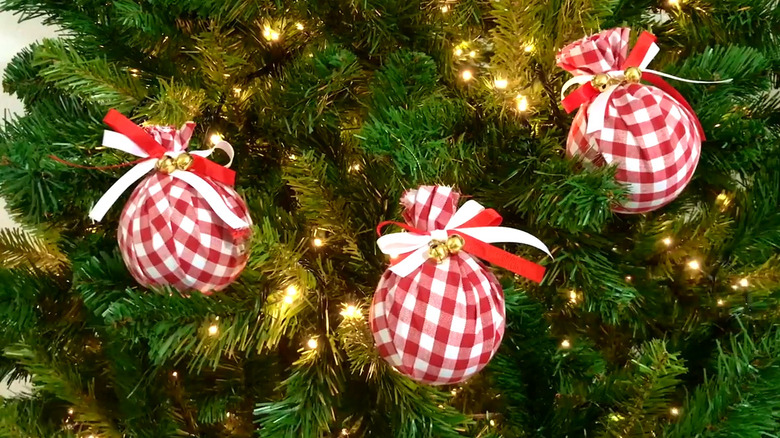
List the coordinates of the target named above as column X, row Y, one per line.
column 455, row 244
column 633, row 75
column 438, row 251
column 184, row 161
column 601, row 81
column 166, row 165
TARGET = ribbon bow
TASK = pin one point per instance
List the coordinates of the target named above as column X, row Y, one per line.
column 189, row 167
column 476, row 227
column 598, row 88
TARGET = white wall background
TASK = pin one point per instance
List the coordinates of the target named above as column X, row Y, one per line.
column 13, row 37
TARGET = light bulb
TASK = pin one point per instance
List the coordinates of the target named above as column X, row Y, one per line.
column 351, row 311
column 458, row 52
column 299, row 26
column 291, row 290
column 344, row 432
column 355, row 167
column 674, row 3
column 522, row 103
column 529, row 48
column 694, row 264
column 445, row 9
column 674, row 411
column 175, row 374
column 227, row 414
column 274, row 35
column 744, row 282
column 312, row 344
column 721, row 302
column 293, row 157
column 454, row 392
column 289, row 300
column 565, row 343
column 473, row 54
column 394, row 256
column 70, row 411
column 466, row 75
column 629, row 278
column 500, row 83
column 573, row 296
column 493, row 423
column 213, row 329
column 237, row 90
column 317, row 242
column 215, row 139
column 667, row 241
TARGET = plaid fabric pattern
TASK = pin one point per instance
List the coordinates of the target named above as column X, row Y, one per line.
column 168, row 234
column 647, row 134
column 444, row 322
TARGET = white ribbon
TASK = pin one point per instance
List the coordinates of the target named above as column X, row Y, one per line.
column 417, row 244
column 115, row 140
column 597, row 111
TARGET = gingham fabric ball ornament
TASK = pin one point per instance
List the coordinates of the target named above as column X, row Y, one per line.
column 648, row 131
column 438, row 312
column 183, row 225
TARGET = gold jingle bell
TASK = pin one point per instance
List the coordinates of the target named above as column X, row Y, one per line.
column 455, row 244
column 601, row 82
column 438, row 250
column 166, row 165
column 633, row 75
column 184, row 161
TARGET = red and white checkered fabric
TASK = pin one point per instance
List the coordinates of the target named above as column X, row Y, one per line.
column 648, row 135
column 444, row 322
column 169, row 235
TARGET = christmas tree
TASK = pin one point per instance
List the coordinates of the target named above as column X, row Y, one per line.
column 654, row 324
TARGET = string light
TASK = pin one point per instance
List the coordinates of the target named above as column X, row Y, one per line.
column 458, row 51
column 674, row 411
column 237, row 90
column 270, row 34
column 573, row 296
column 694, row 264
column 227, row 414
column 290, row 293
column 744, row 282
column 454, row 392
column 345, row 432
column 293, row 157
column 355, row 167
column 629, row 278
column 445, row 9
column 529, row 48
column 522, row 103
column 674, row 3
column 70, row 411
column 213, row 329
column 215, row 139
column 91, row 436
column 350, row 311
column 175, row 374
column 317, row 242
column 565, row 343
column 667, row 241
column 493, row 423
column 500, row 83
column 312, row 344
column 473, row 54
column 299, row 26
column 721, row 302
column 467, row 75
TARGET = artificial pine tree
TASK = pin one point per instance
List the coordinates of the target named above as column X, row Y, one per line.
column 661, row 324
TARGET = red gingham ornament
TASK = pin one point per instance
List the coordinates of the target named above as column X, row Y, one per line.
column 650, row 133
column 443, row 322
column 170, row 232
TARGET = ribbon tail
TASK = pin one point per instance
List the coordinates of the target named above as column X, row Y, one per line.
column 665, row 86
column 121, row 142
column 580, row 96
column 118, row 122
column 504, row 259
column 597, row 111
column 223, row 146
column 204, row 166
column 642, row 48
column 410, row 263
column 213, row 198
column 109, row 198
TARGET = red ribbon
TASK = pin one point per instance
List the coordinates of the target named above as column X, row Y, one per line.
column 480, row 249
column 587, row 92
column 200, row 166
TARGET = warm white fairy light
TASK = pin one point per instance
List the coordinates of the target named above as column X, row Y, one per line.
column 355, row 167
column 493, row 423
column 215, row 138
column 70, row 411
column 667, row 241
column 629, row 278
column 213, row 329
column 694, row 264
column 317, row 242
column 473, row 54
column 175, row 374
column 529, row 48
column 721, row 302
column 674, row 3
column 350, row 311
column 228, row 414
column 744, row 282
column 500, row 83
column 299, row 26
column 674, row 411
column 237, row 90
column 445, row 9
column 454, row 392
column 467, row 75
column 522, row 103
column 344, row 432
column 394, row 256
column 312, row 344
column 573, row 296
column 293, row 157
column 565, row 343
column 270, row 34
column 458, row 51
